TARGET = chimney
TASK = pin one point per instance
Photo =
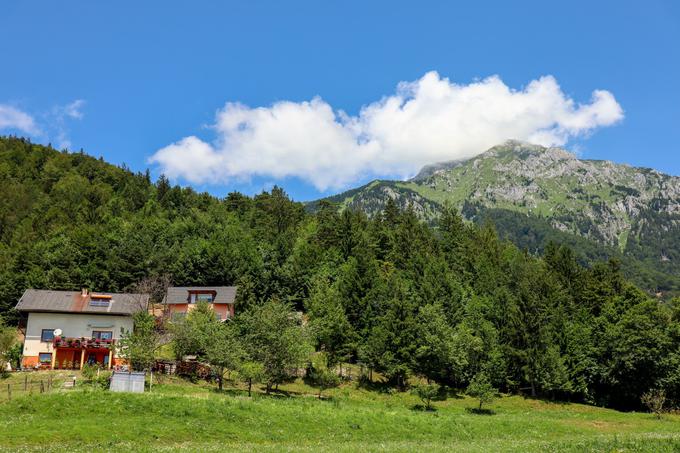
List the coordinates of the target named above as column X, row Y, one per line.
column 83, row 292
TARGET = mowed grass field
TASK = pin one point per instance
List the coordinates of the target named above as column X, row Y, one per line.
column 180, row 416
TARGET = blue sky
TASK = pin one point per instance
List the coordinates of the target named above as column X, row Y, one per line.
column 126, row 79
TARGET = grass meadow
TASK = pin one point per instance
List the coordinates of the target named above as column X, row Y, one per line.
column 177, row 415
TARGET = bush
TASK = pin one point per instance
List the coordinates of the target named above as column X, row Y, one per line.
column 14, row 355
column 7, row 341
column 89, row 372
column 320, row 375
column 103, row 380
column 655, row 400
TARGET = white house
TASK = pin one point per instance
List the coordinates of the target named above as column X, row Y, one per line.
column 66, row 329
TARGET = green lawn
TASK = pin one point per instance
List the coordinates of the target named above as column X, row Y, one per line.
column 178, row 415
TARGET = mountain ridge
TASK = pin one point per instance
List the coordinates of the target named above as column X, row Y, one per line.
column 635, row 210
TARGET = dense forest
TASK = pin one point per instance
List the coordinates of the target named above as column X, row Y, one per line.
column 446, row 302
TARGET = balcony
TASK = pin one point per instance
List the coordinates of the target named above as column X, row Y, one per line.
column 82, row 343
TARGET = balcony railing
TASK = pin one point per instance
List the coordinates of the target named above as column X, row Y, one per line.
column 82, row 343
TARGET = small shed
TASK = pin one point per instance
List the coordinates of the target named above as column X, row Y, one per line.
column 130, row 381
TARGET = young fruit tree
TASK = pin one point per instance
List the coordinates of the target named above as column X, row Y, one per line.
column 140, row 346
column 273, row 336
column 426, row 393
column 251, row 373
column 193, row 334
column 481, row 389
column 224, row 352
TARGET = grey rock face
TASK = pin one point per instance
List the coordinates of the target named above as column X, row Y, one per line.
column 535, row 180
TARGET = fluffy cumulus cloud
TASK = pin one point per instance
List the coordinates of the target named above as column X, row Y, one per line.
column 429, row 120
column 12, row 118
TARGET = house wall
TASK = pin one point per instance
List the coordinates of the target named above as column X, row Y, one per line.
column 72, row 325
column 178, row 308
column 224, row 310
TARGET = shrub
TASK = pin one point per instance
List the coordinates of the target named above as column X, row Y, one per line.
column 655, row 400
column 14, row 355
column 7, row 340
column 89, row 372
column 320, row 375
column 103, row 379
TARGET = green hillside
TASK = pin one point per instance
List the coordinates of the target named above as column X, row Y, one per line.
column 180, row 416
column 535, row 194
column 454, row 304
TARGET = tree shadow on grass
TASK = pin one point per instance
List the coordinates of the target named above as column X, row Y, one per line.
column 260, row 392
column 423, row 408
column 377, row 386
column 452, row 393
column 279, row 393
column 478, row 411
column 230, row 391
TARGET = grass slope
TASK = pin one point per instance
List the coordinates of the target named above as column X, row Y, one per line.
column 194, row 417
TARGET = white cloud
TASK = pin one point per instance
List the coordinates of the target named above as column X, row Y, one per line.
column 58, row 118
column 425, row 121
column 54, row 121
column 73, row 110
column 13, row 118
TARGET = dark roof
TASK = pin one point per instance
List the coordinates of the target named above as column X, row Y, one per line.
column 180, row 294
column 45, row 300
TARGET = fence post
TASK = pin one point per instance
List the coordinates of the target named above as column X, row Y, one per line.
column 42, row 386
column 25, row 383
column 9, row 392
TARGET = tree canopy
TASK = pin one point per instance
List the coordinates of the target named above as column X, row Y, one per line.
column 445, row 302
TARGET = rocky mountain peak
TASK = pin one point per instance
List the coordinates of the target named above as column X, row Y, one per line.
column 630, row 209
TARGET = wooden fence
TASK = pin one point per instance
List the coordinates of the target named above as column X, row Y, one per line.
column 30, row 385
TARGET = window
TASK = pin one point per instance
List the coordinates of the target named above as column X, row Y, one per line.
column 99, row 302
column 45, row 357
column 204, row 298
column 102, row 334
column 201, row 297
column 47, row 335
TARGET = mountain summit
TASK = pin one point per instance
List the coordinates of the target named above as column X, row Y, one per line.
column 535, row 194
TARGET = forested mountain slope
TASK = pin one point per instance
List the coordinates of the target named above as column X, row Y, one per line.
column 451, row 304
column 535, row 194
